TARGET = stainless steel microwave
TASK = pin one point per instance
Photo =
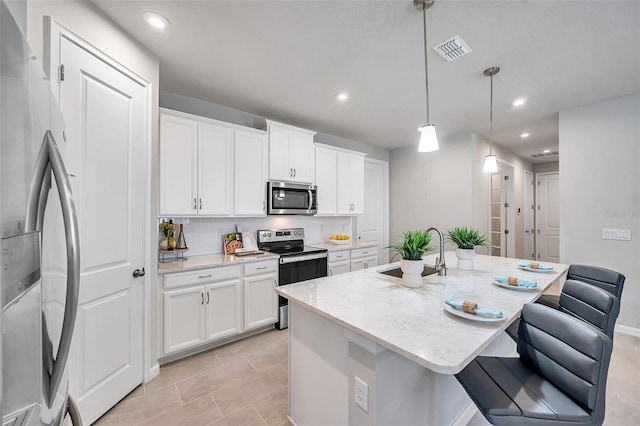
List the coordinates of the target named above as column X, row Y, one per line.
column 291, row 198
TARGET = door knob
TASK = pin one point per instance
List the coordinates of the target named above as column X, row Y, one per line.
column 138, row 273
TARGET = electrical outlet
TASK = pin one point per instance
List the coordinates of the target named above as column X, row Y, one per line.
column 616, row 234
column 361, row 394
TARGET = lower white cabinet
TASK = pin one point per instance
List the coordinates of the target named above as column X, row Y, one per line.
column 260, row 299
column 338, row 262
column 364, row 258
column 208, row 308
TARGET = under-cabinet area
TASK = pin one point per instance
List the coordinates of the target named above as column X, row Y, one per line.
column 203, row 306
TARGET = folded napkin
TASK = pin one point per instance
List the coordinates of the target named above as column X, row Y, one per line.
column 481, row 312
column 520, row 282
column 525, row 264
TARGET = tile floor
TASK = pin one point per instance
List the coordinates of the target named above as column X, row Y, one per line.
column 245, row 383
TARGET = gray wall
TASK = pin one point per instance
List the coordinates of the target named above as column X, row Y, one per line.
column 447, row 188
column 550, row 167
column 600, row 188
column 220, row 112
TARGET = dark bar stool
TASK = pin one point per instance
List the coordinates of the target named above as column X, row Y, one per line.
column 559, row 378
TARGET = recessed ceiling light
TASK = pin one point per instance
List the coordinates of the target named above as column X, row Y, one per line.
column 156, row 20
column 342, row 96
column 518, row 102
column 546, row 151
column 524, row 135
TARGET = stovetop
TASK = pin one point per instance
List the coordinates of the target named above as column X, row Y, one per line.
column 285, row 242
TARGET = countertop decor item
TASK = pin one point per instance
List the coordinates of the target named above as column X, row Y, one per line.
column 167, row 229
column 466, row 239
column 414, row 245
column 181, row 243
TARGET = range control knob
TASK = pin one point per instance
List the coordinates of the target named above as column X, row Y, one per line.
column 269, row 234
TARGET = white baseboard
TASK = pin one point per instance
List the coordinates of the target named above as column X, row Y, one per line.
column 628, row 330
column 153, row 372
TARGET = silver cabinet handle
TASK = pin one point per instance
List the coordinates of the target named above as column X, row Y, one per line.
column 264, row 205
column 294, row 173
column 204, row 276
column 202, row 298
column 137, row 273
column 339, row 257
column 366, row 264
column 200, row 203
column 330, row 271
column 195, row 204
column 207, row 297
column 262, row 267
column 49, row 158
column 365, row 252
column 290, row 172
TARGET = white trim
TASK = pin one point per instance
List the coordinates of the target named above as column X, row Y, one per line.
column 53, row 34
column 364, row 343
column 344, row 150
column 537, row 211
column 625, row 329
column 201, row 119
column 289, row 127
column 154, row 371
column 385, row 208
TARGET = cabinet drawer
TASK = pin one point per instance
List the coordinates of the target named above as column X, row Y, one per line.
column 201, row 276
column 338, row 256
column 358, row 253
column 257, row 268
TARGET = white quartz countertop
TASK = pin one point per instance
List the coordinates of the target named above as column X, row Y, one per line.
column 412, row 322
column 348, row 246
column 211, row 261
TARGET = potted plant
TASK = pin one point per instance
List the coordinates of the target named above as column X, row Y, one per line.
column 466, row 239
column 413, row 246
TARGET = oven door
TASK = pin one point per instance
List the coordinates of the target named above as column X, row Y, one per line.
column 291, row 198
column 294, row 269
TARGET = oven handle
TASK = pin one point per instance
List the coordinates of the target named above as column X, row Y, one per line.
column 302, row 258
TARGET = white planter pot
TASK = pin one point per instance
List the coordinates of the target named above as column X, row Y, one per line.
column 465, row 259
column 412, row 272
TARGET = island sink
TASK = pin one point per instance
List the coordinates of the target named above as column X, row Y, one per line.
column 397, row 272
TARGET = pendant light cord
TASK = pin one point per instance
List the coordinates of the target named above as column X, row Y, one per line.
column 491, row 120
column 426, row 71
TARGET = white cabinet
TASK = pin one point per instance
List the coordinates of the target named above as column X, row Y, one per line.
column 338, row 262
column 364, row 258
column 340, row 181
column 250, row 174
column 350, row 183
column 260, row 299
column 201, row 306
column 211, row 168
column 291, row 153
column 327, row 180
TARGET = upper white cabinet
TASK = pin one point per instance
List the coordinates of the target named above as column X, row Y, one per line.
column 250, row 174
column 291, row 153
column 211, row 168
column 340, row 181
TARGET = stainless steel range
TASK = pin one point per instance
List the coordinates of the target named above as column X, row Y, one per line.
column 297, row 261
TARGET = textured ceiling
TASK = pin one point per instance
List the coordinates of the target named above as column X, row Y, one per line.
column 286, row 60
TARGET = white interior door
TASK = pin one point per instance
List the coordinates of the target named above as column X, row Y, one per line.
column 502, row 215
column 373, row 224
column 105, row 111
column 548, row 217
column 529, row 248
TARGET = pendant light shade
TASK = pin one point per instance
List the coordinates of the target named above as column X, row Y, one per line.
column 490, row 161
column 490, row 164
column 428, row 136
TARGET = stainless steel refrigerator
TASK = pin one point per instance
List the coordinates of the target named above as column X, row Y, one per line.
column 39, row 280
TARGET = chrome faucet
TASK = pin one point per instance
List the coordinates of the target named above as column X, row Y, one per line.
column 440, row 265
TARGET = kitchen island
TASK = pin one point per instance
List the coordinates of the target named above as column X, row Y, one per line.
column 400, row 343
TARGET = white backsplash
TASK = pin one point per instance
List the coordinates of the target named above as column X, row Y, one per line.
column 204, row 235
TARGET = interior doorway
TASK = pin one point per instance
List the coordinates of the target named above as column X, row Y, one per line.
column 529, row 211
column 373, row 225
column 501, row 212
column 548, row 217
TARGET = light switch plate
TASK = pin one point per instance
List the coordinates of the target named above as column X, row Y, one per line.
column 616, row 234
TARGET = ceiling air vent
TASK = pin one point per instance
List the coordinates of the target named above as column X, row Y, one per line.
column 453, row 48
column 544, row 154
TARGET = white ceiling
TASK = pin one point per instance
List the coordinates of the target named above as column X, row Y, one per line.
column 286, row 60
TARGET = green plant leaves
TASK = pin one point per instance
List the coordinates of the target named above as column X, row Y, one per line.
column 414, row 245
column 466, row 238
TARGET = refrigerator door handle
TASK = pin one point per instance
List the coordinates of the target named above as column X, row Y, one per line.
column 49, row 158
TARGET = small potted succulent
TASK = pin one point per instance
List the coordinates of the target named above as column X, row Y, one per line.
column 414, row 245
column 466, row 239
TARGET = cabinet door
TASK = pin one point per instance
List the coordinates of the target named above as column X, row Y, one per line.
column 357, row 264
column 302, row 157
column 350, row 184
column 326, row 180
column 183, row 318
column 279, row 154
column 250, row 174
column 260, row 301
column 371, row 261
column 336, row 268
column 178, row 166
column 215, row 170
column 223, row 303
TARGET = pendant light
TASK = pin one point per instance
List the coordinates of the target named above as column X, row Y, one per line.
column 428, row 137
column 490, row 163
